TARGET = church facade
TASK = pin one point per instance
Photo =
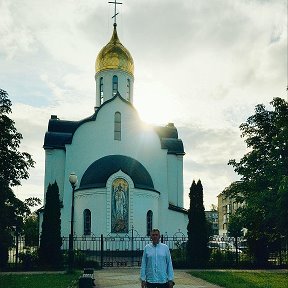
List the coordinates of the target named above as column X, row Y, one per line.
column 130, row 175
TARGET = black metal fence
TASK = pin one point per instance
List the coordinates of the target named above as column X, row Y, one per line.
column 116, row 251
column 124, row 251
column 21, row 255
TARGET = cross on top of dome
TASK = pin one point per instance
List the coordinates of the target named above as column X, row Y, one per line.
column 114, row 55
column 115, row 13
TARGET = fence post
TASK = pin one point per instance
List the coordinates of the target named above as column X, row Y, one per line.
column 17, row 247
column 237, row 254
column 102, row 251
column 132, row 247
column 280, row 252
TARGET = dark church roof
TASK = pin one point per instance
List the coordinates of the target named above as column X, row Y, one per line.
column 177, row 209
column 169, row 139
column 98, row 172
column 60, row 132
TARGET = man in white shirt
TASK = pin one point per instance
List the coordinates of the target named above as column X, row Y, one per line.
column 156, row 266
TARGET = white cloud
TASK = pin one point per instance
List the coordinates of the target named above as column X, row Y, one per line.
column 207, row 155
column 14, row 35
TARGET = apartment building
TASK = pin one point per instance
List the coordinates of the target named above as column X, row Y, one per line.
column 226, row 207
column 212, row 217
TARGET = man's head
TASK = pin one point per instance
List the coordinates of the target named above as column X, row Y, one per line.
column 155, row 236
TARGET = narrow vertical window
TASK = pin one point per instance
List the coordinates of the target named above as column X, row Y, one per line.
column 128, row 89
column 87, row 222
column 101, row 90
column 114, row 85
column 149, row 222
column 117, row 126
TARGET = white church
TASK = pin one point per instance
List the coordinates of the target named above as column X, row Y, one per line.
column 130, row 174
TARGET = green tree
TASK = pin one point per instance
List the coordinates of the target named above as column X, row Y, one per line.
column 283, row 206
column 50, row 240
column 14, row 167
column 197, row 251
column 209, row 228
column 235, row 227
column 31, row 230
column 263, row 184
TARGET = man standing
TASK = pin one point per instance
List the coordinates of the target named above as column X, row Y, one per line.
column 156, row 267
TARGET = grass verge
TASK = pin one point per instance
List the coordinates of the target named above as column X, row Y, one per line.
column 244, row 279
column 43, row 280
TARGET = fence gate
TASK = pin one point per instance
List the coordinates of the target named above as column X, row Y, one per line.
column 123, row 251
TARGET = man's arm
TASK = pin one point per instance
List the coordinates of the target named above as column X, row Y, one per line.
column 170, row 272
column 143, row 269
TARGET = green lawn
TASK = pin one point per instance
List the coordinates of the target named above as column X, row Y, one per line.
column 21, row 280
column 240, row 279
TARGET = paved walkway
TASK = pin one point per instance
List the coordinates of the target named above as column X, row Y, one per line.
column 129, row 278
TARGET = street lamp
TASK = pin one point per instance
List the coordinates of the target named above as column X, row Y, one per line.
column 73, row 181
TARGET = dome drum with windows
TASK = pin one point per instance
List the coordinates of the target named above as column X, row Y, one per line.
column 114, row 71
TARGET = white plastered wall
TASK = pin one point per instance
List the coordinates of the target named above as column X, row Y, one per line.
column 54, row 169
column 98, row 201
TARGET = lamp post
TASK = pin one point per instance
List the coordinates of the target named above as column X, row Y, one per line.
column 73, row 182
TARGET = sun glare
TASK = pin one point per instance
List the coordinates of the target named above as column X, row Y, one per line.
column 156, row 113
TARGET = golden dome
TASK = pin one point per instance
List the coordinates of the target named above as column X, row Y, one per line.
column 114, row 56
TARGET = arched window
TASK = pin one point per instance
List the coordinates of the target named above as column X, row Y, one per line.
column 87, row 221
column 149, row 222
column 117, row 126
column 114, row 85
column 128, row 89
column 101, row 90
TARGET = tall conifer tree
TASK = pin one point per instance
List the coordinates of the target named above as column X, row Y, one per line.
column 197, row 251
column 51, row 241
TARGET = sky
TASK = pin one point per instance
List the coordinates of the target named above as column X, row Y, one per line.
column 200, row 64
